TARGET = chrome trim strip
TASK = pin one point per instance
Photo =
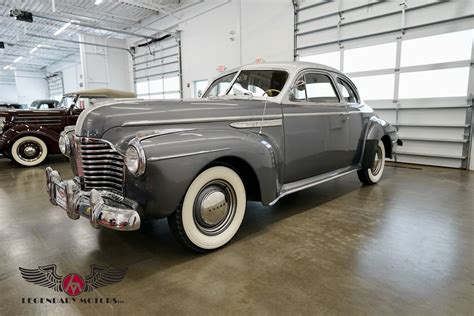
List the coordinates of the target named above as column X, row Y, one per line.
column 142, row 135
column 316, row 114
column 253, row 124
column 186, row 154
column 309, row 185
column 201, row 120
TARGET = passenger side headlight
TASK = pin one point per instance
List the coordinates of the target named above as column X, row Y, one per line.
column 135, row 159
column 64, row 144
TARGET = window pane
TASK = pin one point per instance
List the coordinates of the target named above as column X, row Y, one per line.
column 375, row 87
column 171, row 84
column 370, row 58
column 172, row 96
column 319, row 89
column 437, row 49
column 328, row 59
column 142, row 87
column 434, row 83
column 156, row 96
column 156, row 86
column 347, row 92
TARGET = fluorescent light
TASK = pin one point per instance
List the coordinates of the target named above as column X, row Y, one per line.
column 18, row 59
column 97, row 2
column 6, row 67
column 34, row 50
column 65, row 26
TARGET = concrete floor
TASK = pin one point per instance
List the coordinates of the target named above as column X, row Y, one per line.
column 404, row 246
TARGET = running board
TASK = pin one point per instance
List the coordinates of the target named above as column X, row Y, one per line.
column 299, row 185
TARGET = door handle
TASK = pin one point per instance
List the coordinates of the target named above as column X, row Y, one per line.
column 345, row 116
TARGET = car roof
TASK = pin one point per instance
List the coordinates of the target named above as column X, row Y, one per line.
column 45, row 101
column 293, row 66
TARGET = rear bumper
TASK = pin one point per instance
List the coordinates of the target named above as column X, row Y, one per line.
column 102, row 208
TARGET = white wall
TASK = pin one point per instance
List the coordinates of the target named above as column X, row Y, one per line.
column 71, row 74
column 104, row 67
column 231, row 33
column 31, row 86
column 8, row 93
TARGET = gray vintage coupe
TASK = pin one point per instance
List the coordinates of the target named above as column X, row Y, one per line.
column 259, row 133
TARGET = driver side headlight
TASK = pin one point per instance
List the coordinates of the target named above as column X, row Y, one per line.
column 65, row 144
column 135, row 159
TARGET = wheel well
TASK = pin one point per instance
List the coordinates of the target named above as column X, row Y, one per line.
column 387, row 143
column 246, row 173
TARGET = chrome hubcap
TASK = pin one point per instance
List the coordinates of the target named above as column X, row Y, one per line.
column 377, row 162
column 29, row 151
column 214, row 207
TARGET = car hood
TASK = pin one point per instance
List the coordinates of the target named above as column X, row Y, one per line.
column 146, row 114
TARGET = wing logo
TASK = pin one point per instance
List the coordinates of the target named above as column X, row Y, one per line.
column 73, row 284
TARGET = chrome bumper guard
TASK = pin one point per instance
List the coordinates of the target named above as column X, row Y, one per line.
column 102, row 208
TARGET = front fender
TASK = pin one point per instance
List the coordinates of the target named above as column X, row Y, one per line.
column 174, row 160
column 50, row 137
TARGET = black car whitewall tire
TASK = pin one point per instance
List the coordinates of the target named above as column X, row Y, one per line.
column 373, row 175
column 212, row 210
column 29, row 151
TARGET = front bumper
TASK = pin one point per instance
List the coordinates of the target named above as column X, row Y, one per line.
column 102, row 208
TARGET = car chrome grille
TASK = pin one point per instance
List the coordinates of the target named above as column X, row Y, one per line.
column 101, row 167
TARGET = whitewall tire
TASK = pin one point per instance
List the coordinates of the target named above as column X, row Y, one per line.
column 373, row 175
column 29, row 151
column 212, row 210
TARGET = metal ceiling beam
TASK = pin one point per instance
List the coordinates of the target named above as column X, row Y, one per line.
column 78, row 42
column 43, row 58
column 63, row 20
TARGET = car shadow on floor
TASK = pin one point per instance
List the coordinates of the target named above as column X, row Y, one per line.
column 155, row 242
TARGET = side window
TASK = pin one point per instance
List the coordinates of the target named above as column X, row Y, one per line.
column 319, row 89
column 347, row 92
column 299, row 91
column 43, row 106
column 220, row 86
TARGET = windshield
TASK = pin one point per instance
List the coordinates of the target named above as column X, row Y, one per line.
column 220, row 86
column 259, row 83
column 66, row 102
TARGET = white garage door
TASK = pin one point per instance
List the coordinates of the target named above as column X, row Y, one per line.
column 55, row 86
column 412, row 63
column 157, row 70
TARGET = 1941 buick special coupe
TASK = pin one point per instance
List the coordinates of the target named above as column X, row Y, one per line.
column 260, row 132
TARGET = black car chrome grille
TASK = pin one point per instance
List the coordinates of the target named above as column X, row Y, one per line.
column 101, row 167
column 38, row 120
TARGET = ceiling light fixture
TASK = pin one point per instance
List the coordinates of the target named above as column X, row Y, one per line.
column 18, row 59
column 97, row 2
column 34, row 50
column 6, row 67
column 65, row 26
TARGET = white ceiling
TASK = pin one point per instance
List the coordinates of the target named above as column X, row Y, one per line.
column 115, row 18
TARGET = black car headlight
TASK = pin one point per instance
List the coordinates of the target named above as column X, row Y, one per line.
column 2, row 123
column 135, row 159
column 65, row 144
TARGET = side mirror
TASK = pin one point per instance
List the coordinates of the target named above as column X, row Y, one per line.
column 300, row 85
